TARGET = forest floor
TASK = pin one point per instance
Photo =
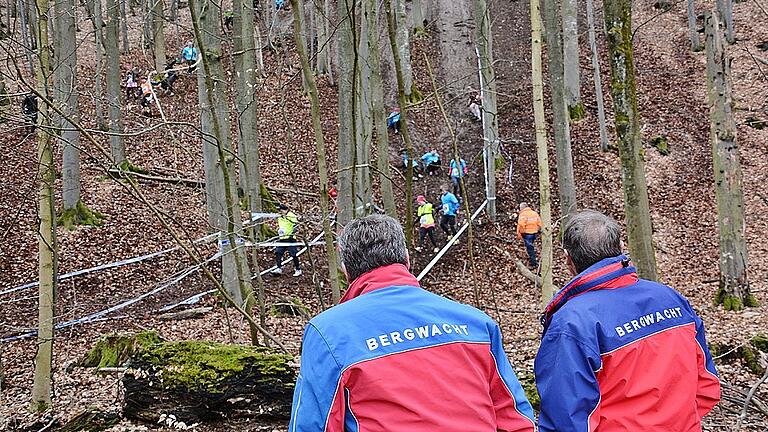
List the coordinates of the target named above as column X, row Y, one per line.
column 672, row 97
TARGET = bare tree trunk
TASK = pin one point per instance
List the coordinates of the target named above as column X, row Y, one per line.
column 66, row 95
column 221, row 190
column 364, row 126
column 113, row 83
column 598, row 79
column 725, row 7
column 565, row 180
column 377, row 105
column 404, row 47
column 618, row 22
column 401, row 98
column 158, row 35
column 322, row 168
column 490, row 120
column 417, row 15
column 93, row 7
column 547, row 287
column 692, row 30
column 571, row 59
column 46, row 233
column 125, row 49
column 346, row 148
column 146, row 11
column 323, row 41
column 734, row 291
column 25, row 34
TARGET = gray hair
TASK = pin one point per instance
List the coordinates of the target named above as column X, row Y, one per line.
column 371, row 242
column 590, row 236
column 523, row 205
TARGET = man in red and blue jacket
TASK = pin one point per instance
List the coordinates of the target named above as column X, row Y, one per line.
column 395, row 357
column 619, row 353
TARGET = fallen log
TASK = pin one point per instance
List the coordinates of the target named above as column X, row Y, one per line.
column 201, row 381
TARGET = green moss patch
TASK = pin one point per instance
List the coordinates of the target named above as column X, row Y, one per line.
column 115, row 350
column 576, row 112
column 79, row 215
column 661, row 143
column 756, row 123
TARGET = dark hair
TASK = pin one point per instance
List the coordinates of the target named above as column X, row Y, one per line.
column 372, row 242
column 590, row 236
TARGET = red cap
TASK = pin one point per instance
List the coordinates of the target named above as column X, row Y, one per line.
column 420, row 198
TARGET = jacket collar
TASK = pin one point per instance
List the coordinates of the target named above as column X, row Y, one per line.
column 610, row 273
column 382, row 277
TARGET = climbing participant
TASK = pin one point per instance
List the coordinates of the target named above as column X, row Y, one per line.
column 619, row 353
column 189, row 57
column 475, row 104
column 29, row 110
column 457, row 173
column 426, row 221
column 286, row 232
column 417, row 171
column 431, row 162
column 528, row 228
column 393, row 120
column 146, row 96
column 169, row 76
column 395, row 357
column 450, row 207
column 131, row 85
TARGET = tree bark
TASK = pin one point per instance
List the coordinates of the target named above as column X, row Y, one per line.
column 597, row 75
column 692, row 30
column 347, row 65
column 116, row 142
column 542, row 156
column 364, row 129
column 66, row 95
column 377, row 106
column 618, row 22
column 554, row 37
column 158, row 34
column 125, row 48
column 322, row 165
column 404, row 47
column 402, row 101
column 94, row 10
column 417, row 15
column 726, row 13
column 734, row 291
column 323, row 39
column 484, row 37
column 46, row 232
column 571, row 59
column 221, row 190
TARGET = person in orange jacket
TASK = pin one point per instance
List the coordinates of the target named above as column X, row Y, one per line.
column 528, row 228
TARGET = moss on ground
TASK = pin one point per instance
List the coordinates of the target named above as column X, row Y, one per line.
column 415, row 96
column 80, row 215
column 756, row 123
column 661, row 143
column 202, row 365
column 127, row 166
column 114, row 350
column 576, row 112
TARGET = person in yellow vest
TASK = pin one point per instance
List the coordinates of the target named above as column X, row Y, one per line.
column 426, row 221
column 528, row 228
column 286, row 232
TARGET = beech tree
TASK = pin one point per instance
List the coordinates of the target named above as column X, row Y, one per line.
column 554, row 37
column 46, row 231
column 725, row 7
column 347, row 73
column 734, row 291
column 116, row 143
column 403, row 47
column 542, row 156
column 597, row 76
column 484, row 37
column 618, row 22
column 571, row 59
column 158, row 35
column 219, row 161
column 322, row 165
column 692, row 30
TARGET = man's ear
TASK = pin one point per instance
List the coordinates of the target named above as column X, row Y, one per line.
column 407, row 260
column 569, row 263
column 344, row 270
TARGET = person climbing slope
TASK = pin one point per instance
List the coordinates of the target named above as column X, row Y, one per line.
column 457, row 172
column 528, row 227
column 431, row 161
column 189, row 57
column 286, row 232
column 426, row 220
column 450, row 208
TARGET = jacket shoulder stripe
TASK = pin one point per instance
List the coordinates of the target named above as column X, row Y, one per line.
column 647, row 336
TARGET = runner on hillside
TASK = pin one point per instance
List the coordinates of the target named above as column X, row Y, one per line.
column 528, row 228
column 450, row 207
column 457, row 173
column 146, row 97
column 431, row 161
column 426, row 220
column 286, row 231
column 189, row 57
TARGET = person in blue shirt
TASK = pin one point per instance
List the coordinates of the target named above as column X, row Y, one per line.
column 416, row 167
column 431, row 161
column 456, row 173
column 450, row 207
column 189, row 56
column 393, row 120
